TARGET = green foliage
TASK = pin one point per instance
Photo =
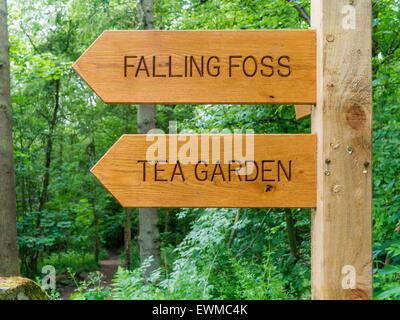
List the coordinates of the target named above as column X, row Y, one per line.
column 46, row 36
column 387, row 283
column 386, row 152
column 72, row 261
column 130, row 285
column 204, row 268
column 93, row 289
column 259, row 282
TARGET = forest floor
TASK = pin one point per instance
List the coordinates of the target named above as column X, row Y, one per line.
column 107, row 267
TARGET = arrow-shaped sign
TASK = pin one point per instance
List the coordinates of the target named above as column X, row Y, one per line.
column 210, row 171
column 232, row 66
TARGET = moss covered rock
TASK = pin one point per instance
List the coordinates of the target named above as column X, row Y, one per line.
column 17, row 288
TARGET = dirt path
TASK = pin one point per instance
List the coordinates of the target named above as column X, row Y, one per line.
column 108, row 268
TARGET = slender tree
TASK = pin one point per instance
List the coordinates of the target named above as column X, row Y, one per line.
column 92, row 153
column 149, row 233
column 44, row 194
column 302, row 12
column 9, row 265
column 128, row 220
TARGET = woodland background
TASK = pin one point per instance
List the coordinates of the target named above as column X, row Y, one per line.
column 61, row 129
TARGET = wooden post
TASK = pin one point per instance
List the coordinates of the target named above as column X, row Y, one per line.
column 303, row 111
column 341, row 251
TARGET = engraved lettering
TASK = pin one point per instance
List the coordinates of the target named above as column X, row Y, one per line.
column 271, row 72
column 204, row 172
column 126, row 65
column 156, row 170
column 177, row 165
column 215, row 67
column 289, row 69
column 250, row 75
column 266, row 170
column 288, row 173
column 155, row 75
column 199, row 70
column 140, row 68
column 255, row 166
column 170, row 70
column 144, row 168
column 233, row 65
column 220, row 173
column 236, row 170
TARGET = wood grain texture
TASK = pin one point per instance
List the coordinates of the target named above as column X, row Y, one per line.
column 122, row 175
column 303, row 112
column 342, row 120
column 255, row 73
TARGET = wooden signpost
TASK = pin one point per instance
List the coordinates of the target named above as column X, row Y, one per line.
column 341, row 230
column 234, row 66
column 280, row 174
column 303, row 111
column 330, row 171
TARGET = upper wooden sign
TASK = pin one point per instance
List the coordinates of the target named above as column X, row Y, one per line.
column 233, row 66
column 210, row 171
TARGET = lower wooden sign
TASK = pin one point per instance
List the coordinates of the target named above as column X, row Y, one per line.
column 215, row 171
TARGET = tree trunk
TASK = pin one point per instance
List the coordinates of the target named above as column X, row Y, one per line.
column 23, row 183
column 375, row 15
column 145, row 14
column 46, row 179
column 166, row 224
column 149, row 233
column 128, row 238
column 9, row 265
column 95, row 215
column 233, row 228
column 49, row 148
column 128, row 220
column 96, row 225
